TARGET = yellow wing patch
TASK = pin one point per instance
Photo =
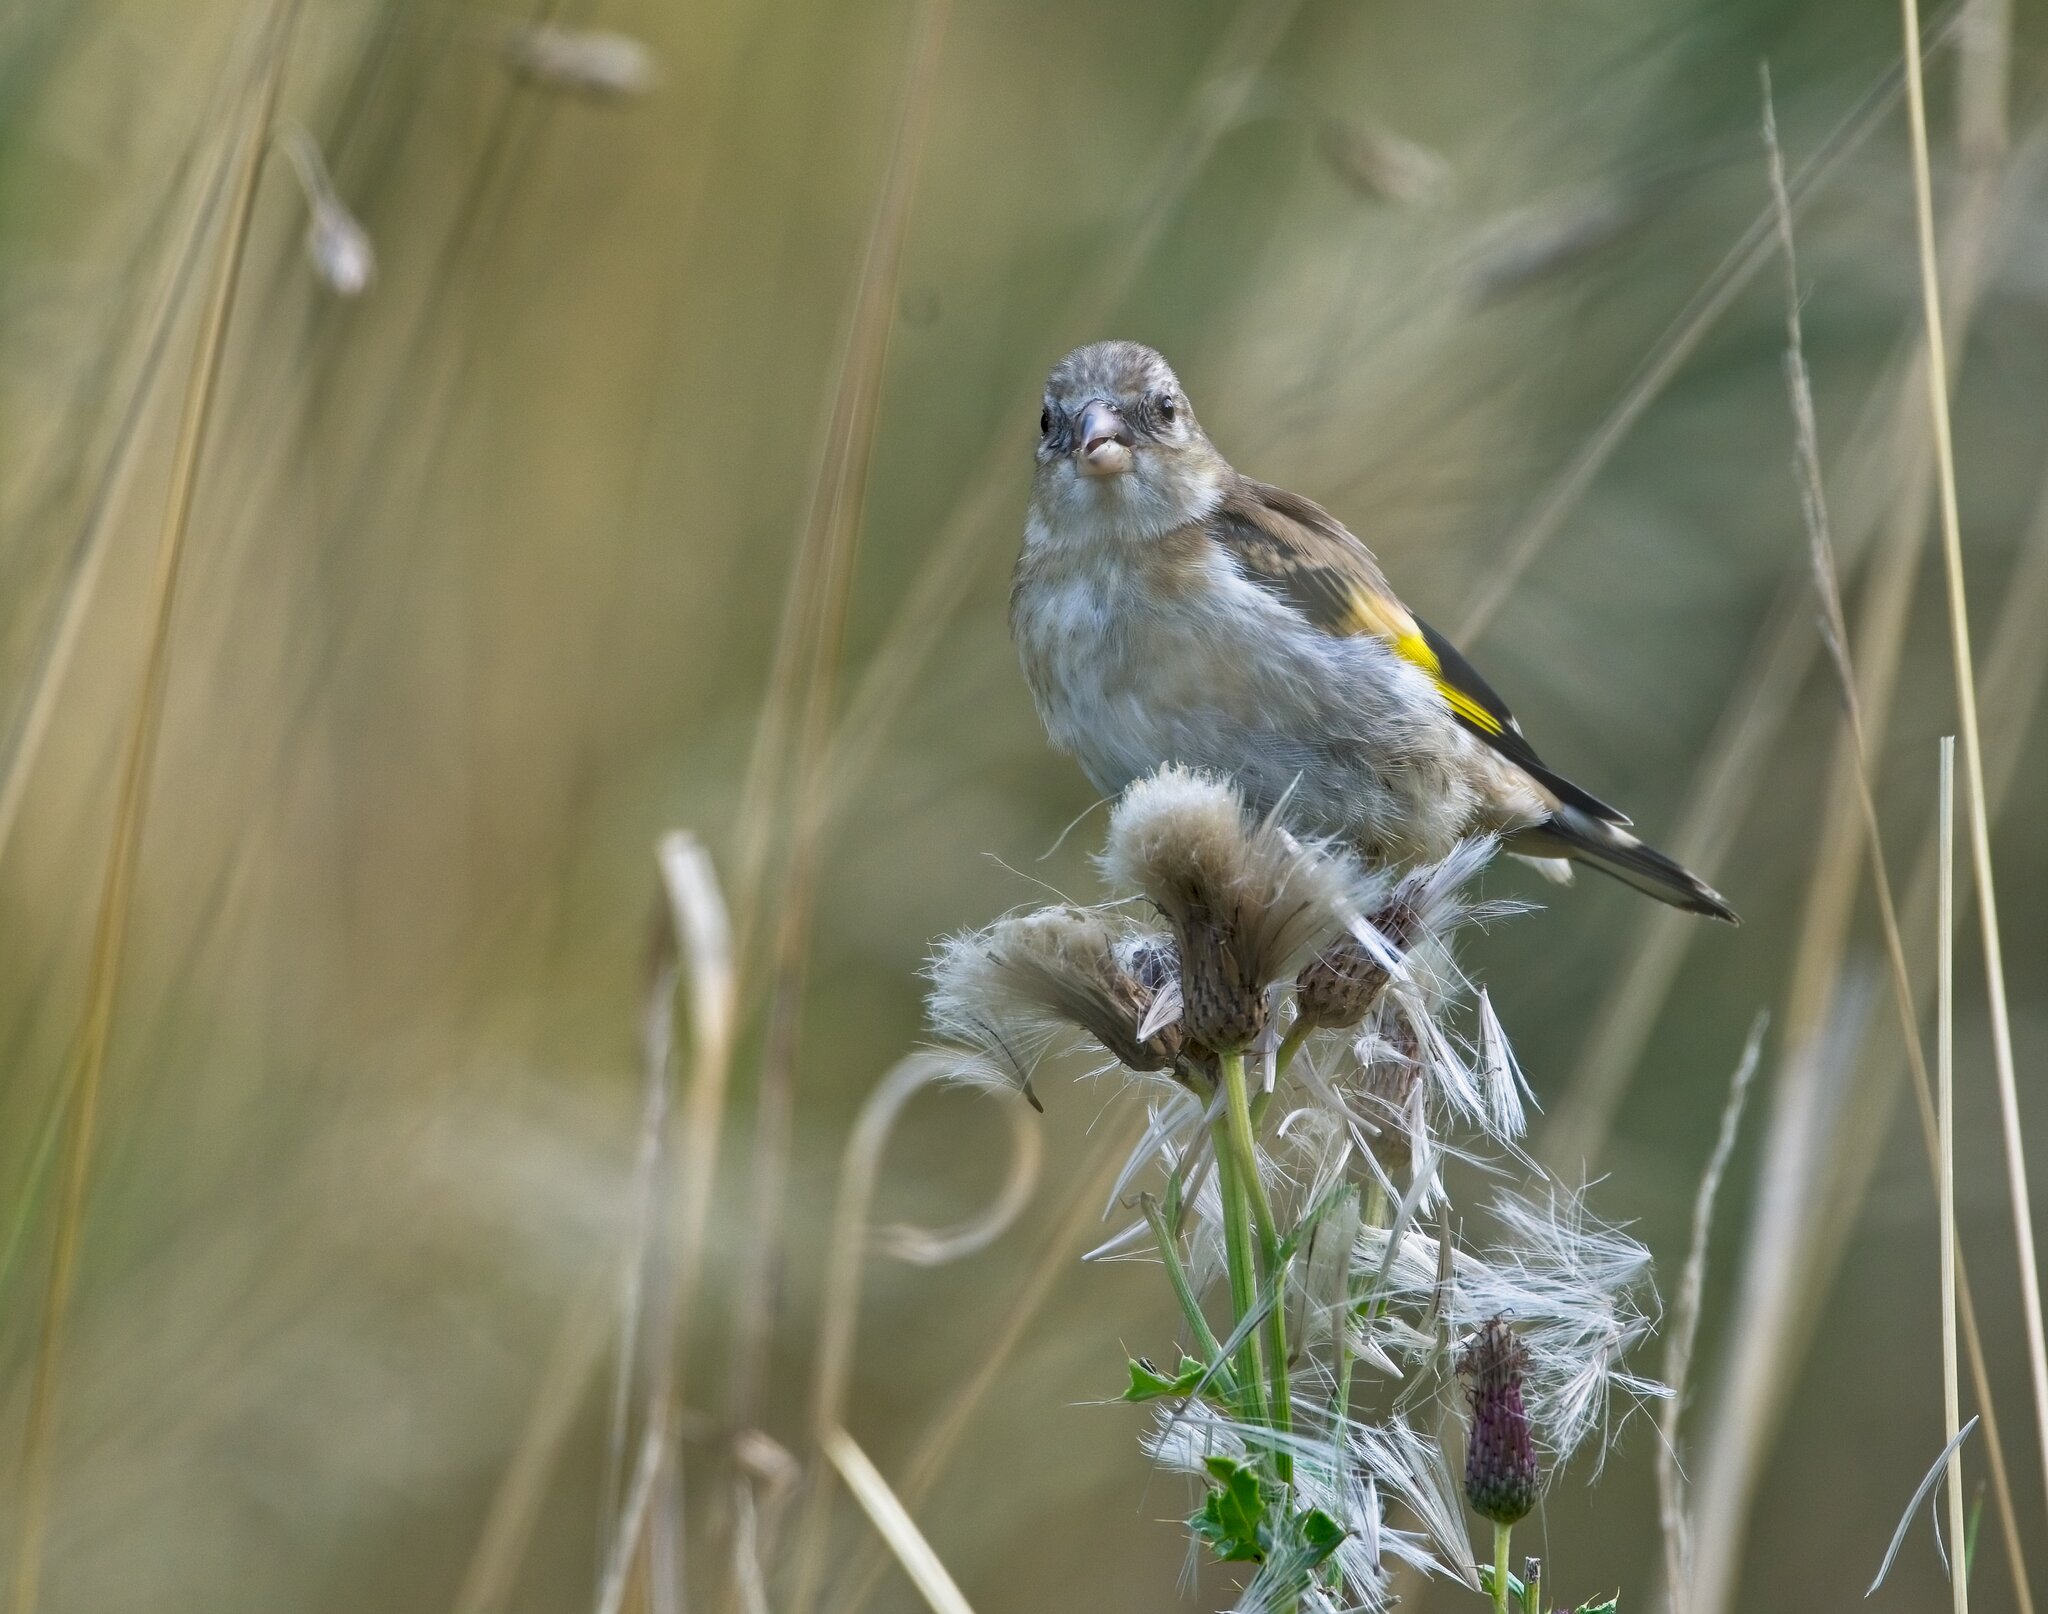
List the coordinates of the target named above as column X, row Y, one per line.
column 1388, row 619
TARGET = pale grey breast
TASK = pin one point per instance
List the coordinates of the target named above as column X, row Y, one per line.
column 1143, row 653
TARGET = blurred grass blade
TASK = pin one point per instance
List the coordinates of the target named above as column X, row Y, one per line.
column 833, row 529
column 38, row 700
column 845, row 1274
column 701, row 929
column 895, row 1525
column 1720, row 289
column 88, row 1063
column 550, row 1420
column 624, row 1550
column 1061, row 1251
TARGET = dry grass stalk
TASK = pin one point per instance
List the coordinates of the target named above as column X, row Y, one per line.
column 623, row 1554
column 1790, row 1184
column 1685, row 1325
column 1835, row 635
column 693, row 962
column 699, row 930
column 1058, row 1254
column 1945, row 1060
column 2014, row 674
column 892, row 1521
column 1973, row 745
column 833, row 532
column 1787, row 1260
column 839, row 1310
column 646, row 1335
column 88, row 1060
column 1728, row 780
column 550, row 1418
column 45, row 681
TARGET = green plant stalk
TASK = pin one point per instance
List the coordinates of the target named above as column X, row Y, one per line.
column 1190, row 1307
column 1244, row 1282
column 1501, row 1535
column 1297, row 1034
column 1340, row 1408
column 1237, row 1118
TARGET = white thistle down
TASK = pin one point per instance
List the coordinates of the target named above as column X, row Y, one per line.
column 1024, row 985
column 1318, row 1190
column 1248, row 901
column 1577, row 1289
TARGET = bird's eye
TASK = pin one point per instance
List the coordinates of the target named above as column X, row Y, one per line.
column 1044, row 421
column 1168, row 406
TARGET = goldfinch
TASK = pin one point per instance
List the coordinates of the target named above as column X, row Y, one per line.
column 1168, row 609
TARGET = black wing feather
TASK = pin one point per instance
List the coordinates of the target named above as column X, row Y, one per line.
column 1508, row 739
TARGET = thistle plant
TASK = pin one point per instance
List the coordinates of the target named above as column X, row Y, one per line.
column 1313, row 1061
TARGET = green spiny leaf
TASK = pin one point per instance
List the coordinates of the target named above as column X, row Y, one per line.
column 1149, row 1384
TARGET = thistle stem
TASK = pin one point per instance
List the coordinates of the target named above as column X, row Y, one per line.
column 1244, row 1282
column 1237, row 1117
column 1190, row 1307
column 1290, row 1044
column 1501, row 1533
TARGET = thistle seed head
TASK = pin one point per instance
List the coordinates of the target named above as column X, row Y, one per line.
column 1015, row 987
column 1344, row 982
column 1390, row 1070
column 1501, row 1476
column 1245, row 899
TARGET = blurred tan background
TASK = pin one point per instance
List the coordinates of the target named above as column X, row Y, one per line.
column 484, row 577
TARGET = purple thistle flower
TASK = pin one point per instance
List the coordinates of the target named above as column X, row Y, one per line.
column 1501, row 1475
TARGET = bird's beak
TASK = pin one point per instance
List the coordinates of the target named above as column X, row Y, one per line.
column 1103, row 441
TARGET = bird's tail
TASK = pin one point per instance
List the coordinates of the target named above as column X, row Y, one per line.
column 1580, row 836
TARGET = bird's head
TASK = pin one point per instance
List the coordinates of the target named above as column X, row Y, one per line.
column 1119, row 448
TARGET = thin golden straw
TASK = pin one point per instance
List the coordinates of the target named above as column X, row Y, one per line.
column 892, row 1521
column 1973, row 747
column 88, row 1063
column 1945, row 1064
column 1835, row 634
column 516, row 1503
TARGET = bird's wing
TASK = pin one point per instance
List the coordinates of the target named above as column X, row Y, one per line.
column 1306, row 558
